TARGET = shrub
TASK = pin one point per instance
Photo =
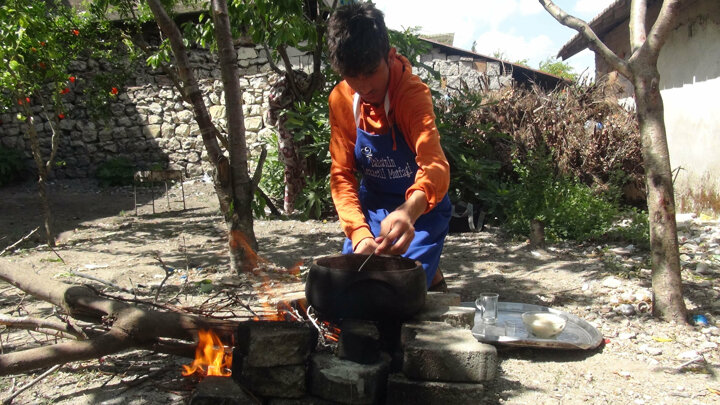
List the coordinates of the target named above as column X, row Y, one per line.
column 11, row 165
column 590, row 138
column 116, row 172
column 474, row 168
column 568, row 208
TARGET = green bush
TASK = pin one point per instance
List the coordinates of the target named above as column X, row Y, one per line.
column 474, row 169
column 116, row 172
column 567, row 208
column 11, row 165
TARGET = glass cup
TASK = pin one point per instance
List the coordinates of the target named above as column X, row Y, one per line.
column 511, row 329
column 487, row 304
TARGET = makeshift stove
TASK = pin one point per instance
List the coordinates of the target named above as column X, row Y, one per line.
column 300, row 356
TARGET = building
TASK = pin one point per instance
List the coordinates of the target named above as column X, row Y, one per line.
column 689, row 66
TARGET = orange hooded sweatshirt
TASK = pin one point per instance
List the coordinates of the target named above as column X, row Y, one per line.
column 411, row 110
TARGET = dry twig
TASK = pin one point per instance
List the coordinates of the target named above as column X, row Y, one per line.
column 12, row 396
column 24, row 238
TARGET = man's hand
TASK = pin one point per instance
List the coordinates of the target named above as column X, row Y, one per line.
column 397, row 230
column 366, row 246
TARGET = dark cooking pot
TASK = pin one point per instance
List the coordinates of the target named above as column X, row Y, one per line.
column 387, row 288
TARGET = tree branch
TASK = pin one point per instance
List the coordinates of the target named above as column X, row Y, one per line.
column 24, row 238
column 584, row 29
column 638, row 34
column 663, row 24
column 26, row 322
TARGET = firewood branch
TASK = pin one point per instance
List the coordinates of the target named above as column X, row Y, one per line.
column 40, row 325
column 132, row 327
column 594, row 42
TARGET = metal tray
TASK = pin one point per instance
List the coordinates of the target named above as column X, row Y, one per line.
column 578, row 333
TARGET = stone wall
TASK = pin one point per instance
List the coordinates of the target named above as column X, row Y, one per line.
column 460, row 71
column 152, row 127
column 150, row 124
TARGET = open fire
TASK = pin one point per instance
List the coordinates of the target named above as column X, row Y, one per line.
column 211, row 357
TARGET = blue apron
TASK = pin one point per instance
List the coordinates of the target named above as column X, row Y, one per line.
column 388, row 169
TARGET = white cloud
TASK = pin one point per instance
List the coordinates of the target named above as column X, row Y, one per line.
column 459, row 16
column 515, row 48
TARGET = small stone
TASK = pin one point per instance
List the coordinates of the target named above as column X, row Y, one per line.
column 653, row 351
column 627, row 335
column 611, row 282
column 703, row 268
column 690, row 354
column 626, row 309
column 709, row 345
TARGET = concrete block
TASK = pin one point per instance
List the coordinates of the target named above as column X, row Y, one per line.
column 435, row 299
column 280, row 381
column 359, row 342
column 401, row 390
column 435, row 352
column 346, row 382
column 220, row 390
column 306, row 400
column 459, row 317
column 269, row 344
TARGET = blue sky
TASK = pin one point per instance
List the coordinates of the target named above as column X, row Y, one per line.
column 520, row 29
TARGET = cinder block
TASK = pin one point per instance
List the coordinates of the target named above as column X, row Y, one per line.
column 459, row 317
column 306, row 400
column 220, row 390
column 435, row 352
column 401, row 390
column 347, row 382
column 435, row 299
column 280, row 381
column 359, row 341
column 270, row 344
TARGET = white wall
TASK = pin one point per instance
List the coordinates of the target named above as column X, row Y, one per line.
column 689, row 66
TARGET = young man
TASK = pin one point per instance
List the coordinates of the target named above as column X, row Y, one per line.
column 383, row 127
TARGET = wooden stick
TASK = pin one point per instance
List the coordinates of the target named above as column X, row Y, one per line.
column 26, row 322
column 51, row 370
column 24, row 238
column 99, row 280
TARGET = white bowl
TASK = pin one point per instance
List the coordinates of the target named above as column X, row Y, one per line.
column 544, row 325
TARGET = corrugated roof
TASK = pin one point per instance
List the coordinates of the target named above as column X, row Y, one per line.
column 608, row 19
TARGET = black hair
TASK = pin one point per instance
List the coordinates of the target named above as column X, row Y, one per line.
column 357, row 39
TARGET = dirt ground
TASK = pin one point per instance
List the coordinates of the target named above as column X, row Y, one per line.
column 642, row 360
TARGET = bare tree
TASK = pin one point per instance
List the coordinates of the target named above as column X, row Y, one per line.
column 640, row 68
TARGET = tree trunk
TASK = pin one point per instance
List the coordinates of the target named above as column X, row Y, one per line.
column 232, row 182
column 668, row 300
column 240, row 220
column 42, row 179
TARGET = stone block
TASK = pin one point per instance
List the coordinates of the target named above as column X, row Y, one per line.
column 306, row 400
column 220, row 390
column 435, row 299
column 401, row 390
column 359, row 342
column 459, row 317
column 434, row 352
column 347, row 382
column 269, row 344
column 280, row 381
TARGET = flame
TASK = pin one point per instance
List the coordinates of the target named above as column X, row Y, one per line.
column 210, row 357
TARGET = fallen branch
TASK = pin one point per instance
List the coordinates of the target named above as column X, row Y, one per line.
column 24, row 238
column 40, row 325
column 130, row 326
column 19, row 391
column 101, row 281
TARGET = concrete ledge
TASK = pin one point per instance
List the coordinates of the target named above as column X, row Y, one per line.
column 402, row 390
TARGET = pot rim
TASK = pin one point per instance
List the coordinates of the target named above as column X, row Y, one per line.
column 416, row 263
